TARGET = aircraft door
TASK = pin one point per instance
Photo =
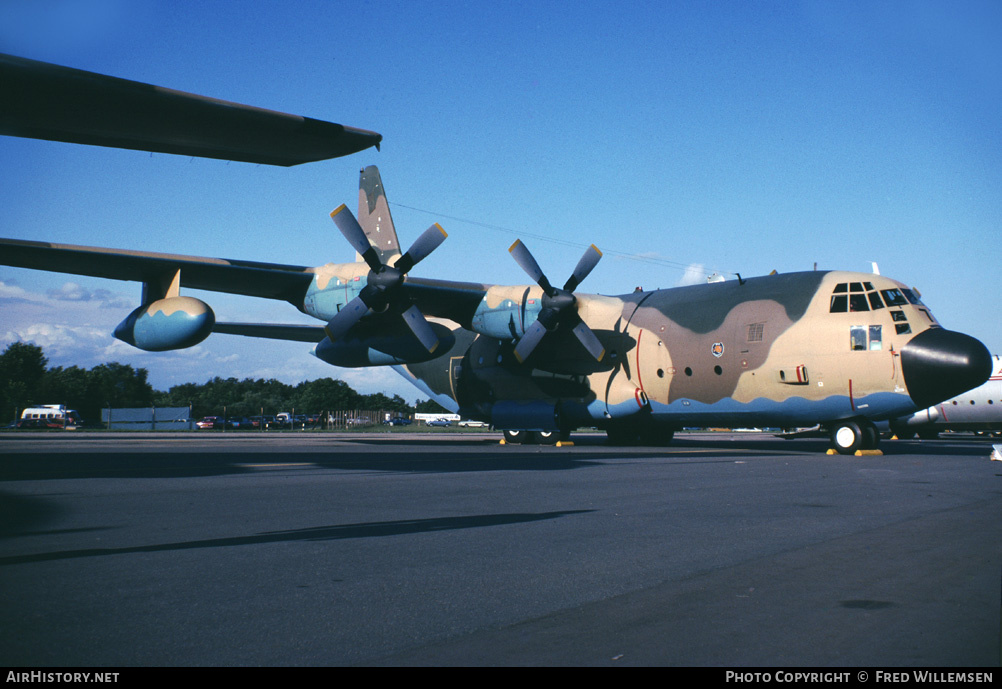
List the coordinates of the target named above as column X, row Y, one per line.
column 652, row 370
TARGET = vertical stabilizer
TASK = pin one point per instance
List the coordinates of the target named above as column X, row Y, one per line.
column 374, row 216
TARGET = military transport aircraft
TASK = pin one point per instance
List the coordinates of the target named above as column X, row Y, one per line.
column 835, row 349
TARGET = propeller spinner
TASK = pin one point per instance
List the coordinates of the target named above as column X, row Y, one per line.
column 383, row 287
column 559, row 305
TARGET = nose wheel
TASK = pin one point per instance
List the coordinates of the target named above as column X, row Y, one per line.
column 854, row 434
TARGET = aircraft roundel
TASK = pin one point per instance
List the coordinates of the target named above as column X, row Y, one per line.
column 717, row 349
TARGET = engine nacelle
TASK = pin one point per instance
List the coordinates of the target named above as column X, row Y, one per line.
column 387, row 346
column 169, row 323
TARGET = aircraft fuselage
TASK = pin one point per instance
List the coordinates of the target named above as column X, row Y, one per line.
column 782, row 350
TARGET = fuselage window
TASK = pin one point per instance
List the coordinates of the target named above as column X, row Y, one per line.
column 875, row 338
column 857, row 338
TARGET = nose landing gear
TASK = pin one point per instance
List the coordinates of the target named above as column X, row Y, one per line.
column 851, row 435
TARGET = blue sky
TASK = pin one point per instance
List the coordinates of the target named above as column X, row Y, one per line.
column 679, row 137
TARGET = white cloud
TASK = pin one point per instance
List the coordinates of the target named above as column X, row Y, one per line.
column 73, row 323
column 695, row 274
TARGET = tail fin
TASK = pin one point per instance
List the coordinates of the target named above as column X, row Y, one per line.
column 374, row 216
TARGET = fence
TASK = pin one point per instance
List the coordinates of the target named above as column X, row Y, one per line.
column 148, row 419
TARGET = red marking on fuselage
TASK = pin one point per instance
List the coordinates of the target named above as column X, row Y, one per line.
column 640, row 380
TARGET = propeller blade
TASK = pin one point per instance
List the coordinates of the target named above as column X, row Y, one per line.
column 345, row 318
column 529, row 341
column 588, row 261
column 355, row 235
column 421, row 328
column 429, row 240
column 524, row 259
column 589, row 340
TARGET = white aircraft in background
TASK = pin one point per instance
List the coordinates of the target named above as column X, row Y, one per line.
column 977, row 410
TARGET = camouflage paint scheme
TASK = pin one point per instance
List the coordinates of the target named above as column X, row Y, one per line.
column 771, row 350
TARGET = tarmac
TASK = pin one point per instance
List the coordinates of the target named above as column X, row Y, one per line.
column 408, row 549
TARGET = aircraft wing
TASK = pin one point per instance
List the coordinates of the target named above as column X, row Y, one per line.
column 45, row 101
column 250, row 278
column 273, row 331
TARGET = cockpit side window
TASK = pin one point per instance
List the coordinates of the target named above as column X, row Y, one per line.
column 894, row 297
column 912, row 297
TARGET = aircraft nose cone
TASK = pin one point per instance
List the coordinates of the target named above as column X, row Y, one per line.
column 939, row 364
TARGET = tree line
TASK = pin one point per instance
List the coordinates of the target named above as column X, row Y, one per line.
column 26, row 380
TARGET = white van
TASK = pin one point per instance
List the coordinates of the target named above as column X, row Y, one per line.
column 49, row 416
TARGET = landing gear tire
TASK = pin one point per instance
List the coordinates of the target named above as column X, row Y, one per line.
column 847, row 437
column 547, row 437
column 871, row 436
column 516, row 437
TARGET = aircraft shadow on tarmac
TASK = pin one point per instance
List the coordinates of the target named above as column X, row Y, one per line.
column 317, row 533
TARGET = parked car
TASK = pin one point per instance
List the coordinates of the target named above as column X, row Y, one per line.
column 398, row 421
column 210, row 422
column 469, row 423
column 440, row 422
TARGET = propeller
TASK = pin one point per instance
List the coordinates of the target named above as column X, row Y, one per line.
column 559, row 305
column 383, row 286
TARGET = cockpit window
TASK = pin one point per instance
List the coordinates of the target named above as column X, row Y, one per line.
column 857, row 302
column 912, row 297
column 854, row 297
column 894, row 297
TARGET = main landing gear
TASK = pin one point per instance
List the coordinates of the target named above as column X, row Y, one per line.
column 854, row 434
column 535, row 437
